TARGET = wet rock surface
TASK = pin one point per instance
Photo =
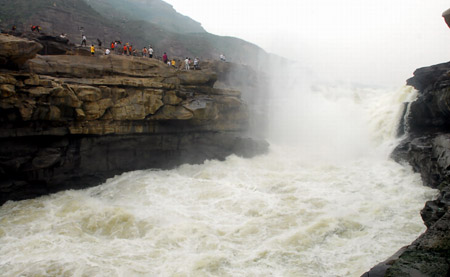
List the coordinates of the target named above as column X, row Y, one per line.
column 427, row 149
column 72, row 121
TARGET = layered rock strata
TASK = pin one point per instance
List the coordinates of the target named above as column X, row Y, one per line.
column 72, row 121
column 427, row 149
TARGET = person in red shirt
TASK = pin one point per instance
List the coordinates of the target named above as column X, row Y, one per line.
column 165, row 57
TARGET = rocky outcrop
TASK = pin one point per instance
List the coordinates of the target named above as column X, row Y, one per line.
column 71, row 121
column 427, row 149
column 15, row 51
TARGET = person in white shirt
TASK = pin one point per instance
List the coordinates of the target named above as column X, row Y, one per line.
column 186, row 63
column 83, row 40
column 107, row 51
column 150, row 51
column 196, row 61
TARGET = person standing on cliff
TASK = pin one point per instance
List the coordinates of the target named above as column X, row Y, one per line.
column 165, row 58
column 83, row 40
column 186, row 63
column 130, row 50
column 92, row 50
column 150, row 52
column 144, row 52
column 196, row 62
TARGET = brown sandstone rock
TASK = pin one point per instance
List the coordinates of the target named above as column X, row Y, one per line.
column 169, row 112
column 82, row 119
column 65, row 97
column 38, row 91
column 7, row 90
column 197, row 78
column 171, row 98
column 7, row 79
column 88, row 93
column 137, row 105
column 32, row 81
column 16, row 51
column 98, row 67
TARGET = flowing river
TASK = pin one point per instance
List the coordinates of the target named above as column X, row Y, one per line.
column 325, row 201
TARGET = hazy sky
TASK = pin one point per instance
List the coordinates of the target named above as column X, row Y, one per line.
column 368, row 41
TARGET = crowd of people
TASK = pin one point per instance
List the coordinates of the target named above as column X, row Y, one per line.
column 116, row 47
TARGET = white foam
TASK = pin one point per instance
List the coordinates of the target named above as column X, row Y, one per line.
column 293, row 212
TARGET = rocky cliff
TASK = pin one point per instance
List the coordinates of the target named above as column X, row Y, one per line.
column 138, row 22
column 427, row 149
column 71, row 121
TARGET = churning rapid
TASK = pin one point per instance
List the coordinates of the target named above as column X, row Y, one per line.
column 325, row 201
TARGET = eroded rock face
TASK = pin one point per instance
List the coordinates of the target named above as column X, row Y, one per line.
column 431, row 111
column 427, row 149
column 69, row 121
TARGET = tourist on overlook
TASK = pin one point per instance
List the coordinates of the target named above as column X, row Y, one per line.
column 107, row 51
column 35, row 28
column 99, row 43
column 165, row 58
column 222, row 58
column 144, row 52
column 186, row 63
column 196, row 62
column 125, row 49
column 83, row 40
column 92, row 50
column 150, row 52
column 130, row 50
column 113, row 46
column 173, row 63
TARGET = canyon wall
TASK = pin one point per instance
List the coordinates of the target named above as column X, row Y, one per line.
column 74, row 120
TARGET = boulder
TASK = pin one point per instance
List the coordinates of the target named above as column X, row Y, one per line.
column 197, row 78
column 16, row 51
column 98, row 66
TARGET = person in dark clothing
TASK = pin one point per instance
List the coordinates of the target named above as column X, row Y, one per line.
column 99, row 43
column 165, row 57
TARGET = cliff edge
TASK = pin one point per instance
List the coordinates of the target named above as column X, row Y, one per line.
column 72, row 121
column 427, row 149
